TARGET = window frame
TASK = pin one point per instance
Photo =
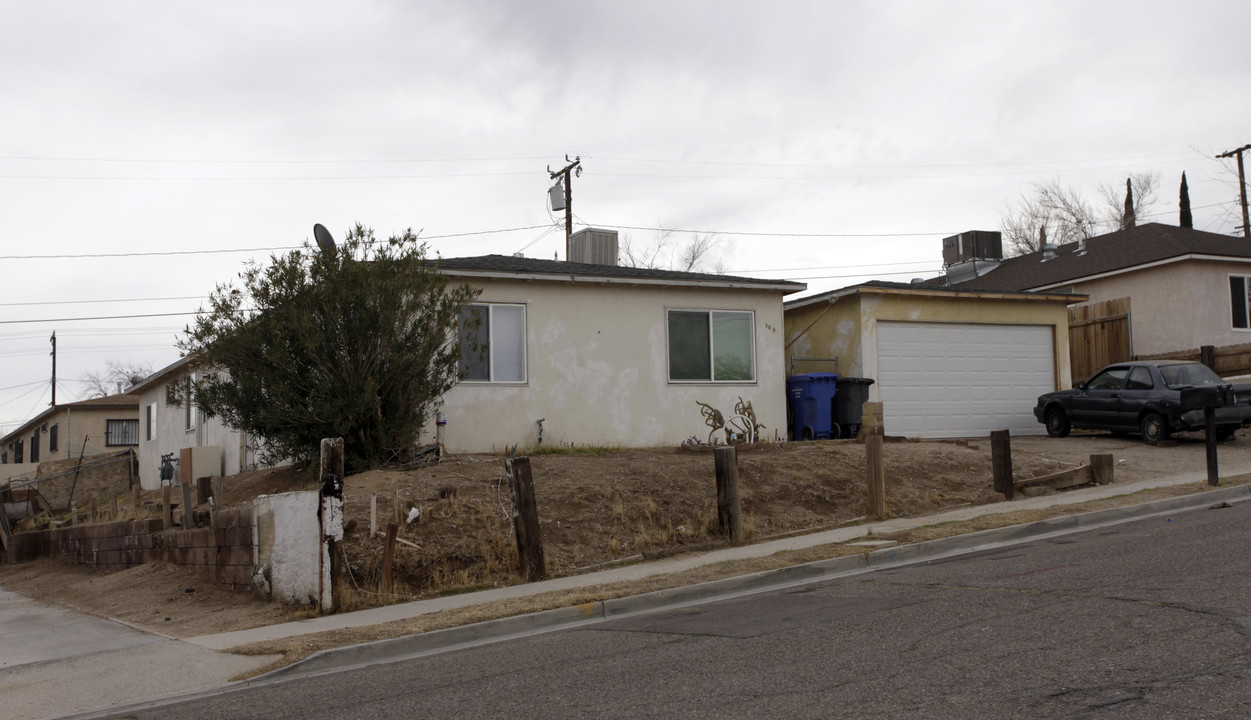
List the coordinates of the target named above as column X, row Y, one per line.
column 149, row 421
column 53, row 438
column 18, row 457
column 110, row 437
column 1245, row 281
column 33, row 450
column 492, row 326
column 712, row 346
column 189, row 409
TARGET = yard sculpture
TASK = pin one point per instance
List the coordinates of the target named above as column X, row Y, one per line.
column 712, row 418
column 744, row 422
column 742, row 425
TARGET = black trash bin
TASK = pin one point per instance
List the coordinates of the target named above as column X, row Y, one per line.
column 849, row 398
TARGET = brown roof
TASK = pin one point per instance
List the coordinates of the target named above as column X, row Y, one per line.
column 123, row 402
column 1114, row 252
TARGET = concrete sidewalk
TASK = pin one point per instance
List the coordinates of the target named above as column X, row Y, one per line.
column 54, row 661
column 403, row 611
column 92, row 663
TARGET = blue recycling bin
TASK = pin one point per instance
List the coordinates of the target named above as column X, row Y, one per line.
column 811, row 400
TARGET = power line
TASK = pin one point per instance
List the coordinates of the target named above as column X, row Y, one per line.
column 99, row 317
column 118, row 300
column 305, row 161
column 252, row 249
column 881, row 166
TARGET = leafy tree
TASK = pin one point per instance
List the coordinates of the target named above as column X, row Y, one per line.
column 1185, row 220
column 103, row 383
column 357, row 344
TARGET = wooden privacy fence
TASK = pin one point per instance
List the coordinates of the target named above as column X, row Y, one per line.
column 1226, row 360
column 1099, row 335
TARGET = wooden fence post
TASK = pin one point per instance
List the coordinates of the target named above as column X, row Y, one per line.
column 1001, row 462
column 388, row 558
column 1207, row 355
column 219, row 491
column 167, row 511
column 875, row 472
column 729, row 508
column 331, row 516
column 188, row 521
column 1101, row 468
column 136, row 498
column 526, row 519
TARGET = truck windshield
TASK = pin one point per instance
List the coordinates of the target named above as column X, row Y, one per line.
column 1189, row 375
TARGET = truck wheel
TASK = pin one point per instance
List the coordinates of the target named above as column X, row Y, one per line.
column 1153, row 428
column 1057, row 423
column 1225, row 432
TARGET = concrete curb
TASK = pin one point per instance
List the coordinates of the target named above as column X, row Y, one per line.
column 335, row 659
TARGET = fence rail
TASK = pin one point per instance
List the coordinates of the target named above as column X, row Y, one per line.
column 1226, row 361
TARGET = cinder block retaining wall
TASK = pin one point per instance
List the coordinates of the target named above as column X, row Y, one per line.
column 222, row 553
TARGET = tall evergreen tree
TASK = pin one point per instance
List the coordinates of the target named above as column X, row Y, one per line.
column 1186, row 220
column 1129, row 219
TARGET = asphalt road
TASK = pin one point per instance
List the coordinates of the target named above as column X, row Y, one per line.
column 1150, row 619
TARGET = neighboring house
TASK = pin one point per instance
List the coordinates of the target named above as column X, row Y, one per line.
column 946, row 362
column 70, row 430
column 588, row 354
column 1162, row 289
column 200, row 445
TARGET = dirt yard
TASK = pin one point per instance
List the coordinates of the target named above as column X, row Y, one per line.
column 596, row 507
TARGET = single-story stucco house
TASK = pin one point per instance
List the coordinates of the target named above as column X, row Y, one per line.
column 596, row 354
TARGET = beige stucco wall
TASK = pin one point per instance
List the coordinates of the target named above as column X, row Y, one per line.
column 598, row 370
column 169, row 435
column 74, row 425
column 1177, row 306
column 848, row 329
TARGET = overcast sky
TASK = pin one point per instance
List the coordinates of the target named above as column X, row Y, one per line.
column 827, row 142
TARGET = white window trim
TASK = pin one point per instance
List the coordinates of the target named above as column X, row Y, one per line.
column 491, row 327
column 149, row 430
column 1246, row 289
column 189, row 411
column 755, row 374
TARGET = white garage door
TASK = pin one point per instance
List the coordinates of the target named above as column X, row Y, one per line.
column 940, row 380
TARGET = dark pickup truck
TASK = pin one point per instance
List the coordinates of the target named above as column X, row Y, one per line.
column 1144, row 397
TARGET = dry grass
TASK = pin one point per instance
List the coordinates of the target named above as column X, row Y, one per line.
column 297, row 648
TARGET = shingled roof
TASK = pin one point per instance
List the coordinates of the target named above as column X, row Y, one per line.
column 1115, row 252
column 506, row 266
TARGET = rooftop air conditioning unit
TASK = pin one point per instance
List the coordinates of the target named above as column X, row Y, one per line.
column 972, row 245
column 593, row 246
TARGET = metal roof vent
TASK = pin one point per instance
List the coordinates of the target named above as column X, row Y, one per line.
column 1048, row 252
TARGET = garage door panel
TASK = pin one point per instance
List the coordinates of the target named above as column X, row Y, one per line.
column 959, row 380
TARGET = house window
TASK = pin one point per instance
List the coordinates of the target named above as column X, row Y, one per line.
column 149, row 421
column 121, row 433
column 4, row 457
column 52, row 443
column 1238, row 301
column 17, row 451
column 492, row 343
column 712, row 346
column 34, row 446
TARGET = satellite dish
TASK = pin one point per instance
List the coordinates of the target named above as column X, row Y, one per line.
column 324, row 239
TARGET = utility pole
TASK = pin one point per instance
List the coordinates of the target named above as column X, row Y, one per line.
column 574, row 166
column 54, row 368
column 1242, row 187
